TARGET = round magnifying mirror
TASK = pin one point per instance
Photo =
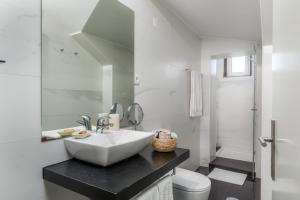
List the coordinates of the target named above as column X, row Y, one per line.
column 117, row 108
column 135, row 114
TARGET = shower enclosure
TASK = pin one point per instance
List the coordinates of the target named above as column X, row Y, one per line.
column 232, row 108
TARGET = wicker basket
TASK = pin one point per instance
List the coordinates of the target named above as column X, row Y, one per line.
column 164, row 145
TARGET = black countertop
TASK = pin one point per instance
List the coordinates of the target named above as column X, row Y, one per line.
column 120, row 181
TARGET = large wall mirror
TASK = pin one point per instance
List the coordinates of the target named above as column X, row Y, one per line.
column 87, row 61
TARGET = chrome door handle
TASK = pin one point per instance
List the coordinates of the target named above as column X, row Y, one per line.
column 263, row 141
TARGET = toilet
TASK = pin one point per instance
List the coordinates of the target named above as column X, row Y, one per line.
column 189, row 185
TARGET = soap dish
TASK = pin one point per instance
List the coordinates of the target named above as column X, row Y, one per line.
column 164, row 145
column 81, row 135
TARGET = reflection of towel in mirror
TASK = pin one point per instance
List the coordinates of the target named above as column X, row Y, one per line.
column 51, row 135
column 165, row 188
column 150, row 194
column 196, row 94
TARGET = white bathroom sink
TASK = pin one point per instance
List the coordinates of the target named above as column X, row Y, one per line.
column 108, row 148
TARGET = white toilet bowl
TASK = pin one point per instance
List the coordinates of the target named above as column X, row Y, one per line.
column 188, row 185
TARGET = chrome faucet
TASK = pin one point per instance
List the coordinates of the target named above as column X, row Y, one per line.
column 103, row 123
column 86, row 122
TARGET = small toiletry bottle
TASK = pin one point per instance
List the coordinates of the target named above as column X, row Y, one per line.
column 114, row 120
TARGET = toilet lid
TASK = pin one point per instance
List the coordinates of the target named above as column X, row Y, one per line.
column 190, row 181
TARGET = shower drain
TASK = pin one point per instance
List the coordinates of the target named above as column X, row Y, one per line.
column 231, row 198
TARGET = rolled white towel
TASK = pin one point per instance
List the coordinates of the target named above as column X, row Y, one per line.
column 174, row 135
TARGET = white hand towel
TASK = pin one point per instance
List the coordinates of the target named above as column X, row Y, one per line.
column 150, row 194
column 196, row 94
column 165, row 188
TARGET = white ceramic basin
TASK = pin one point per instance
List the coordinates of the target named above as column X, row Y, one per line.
column 108, row 148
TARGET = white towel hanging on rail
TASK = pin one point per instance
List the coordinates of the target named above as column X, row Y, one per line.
column 165, row 188
column 160, row 190
column 196, row 104
column 150, row 194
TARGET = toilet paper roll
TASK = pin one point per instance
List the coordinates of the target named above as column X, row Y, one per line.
column 115, row 121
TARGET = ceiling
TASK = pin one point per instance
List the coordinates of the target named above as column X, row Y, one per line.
column 238, row 19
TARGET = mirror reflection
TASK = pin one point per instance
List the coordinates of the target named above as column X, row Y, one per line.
column 117, row 108
column 135, row 115
column 87, row 66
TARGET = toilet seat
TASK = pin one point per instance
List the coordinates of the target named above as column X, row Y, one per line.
column 190, row 181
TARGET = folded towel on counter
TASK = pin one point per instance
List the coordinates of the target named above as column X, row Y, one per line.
column 165, row 188
column 196, row 94
column 150, row 194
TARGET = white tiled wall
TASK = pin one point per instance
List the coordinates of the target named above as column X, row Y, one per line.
column 163, row 93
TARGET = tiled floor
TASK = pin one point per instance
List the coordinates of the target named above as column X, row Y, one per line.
column 221, row 190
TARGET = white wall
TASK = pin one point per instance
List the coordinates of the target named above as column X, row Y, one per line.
column 212, row 47
column 22, row 153
column 162, row 53
column 163, row 93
